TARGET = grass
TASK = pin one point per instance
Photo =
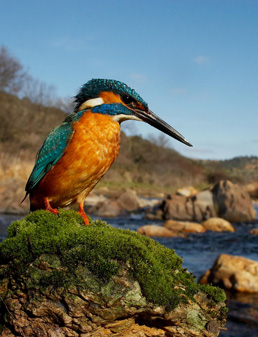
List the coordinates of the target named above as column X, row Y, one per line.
column 12, row 166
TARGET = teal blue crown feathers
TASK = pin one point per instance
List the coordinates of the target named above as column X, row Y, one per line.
column 94, row 87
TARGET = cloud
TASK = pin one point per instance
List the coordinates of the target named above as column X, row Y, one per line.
column 201, row 60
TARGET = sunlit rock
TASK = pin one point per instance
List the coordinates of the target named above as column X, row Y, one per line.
column 156, row 231
column 235, row 273
column 184, row 226
column 218, row 225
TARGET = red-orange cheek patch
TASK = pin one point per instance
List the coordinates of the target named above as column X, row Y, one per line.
column 109, row 97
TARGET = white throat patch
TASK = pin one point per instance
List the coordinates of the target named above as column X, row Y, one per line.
column 121, row 118
column 91, row 103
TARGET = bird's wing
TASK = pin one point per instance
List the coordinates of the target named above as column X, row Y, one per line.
column 50, row 152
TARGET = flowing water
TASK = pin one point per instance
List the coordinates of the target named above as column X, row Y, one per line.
column 199, row 251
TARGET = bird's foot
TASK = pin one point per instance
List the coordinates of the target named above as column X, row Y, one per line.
column 49, row 208
column 83, row 214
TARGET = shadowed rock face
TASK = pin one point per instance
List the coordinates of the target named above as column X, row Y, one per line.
column 61, row 278
column 224, row 199
column 233, row 202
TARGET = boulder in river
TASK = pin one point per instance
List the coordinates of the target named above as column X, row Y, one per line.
column 224, row 200
column 156, row 231
column 59, row 277
column 177, row 207
column 234, row 273
column 122, row 204
column 184, row 226
column 232, row 202
column 218, row 225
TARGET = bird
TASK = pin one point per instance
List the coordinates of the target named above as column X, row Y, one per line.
column 77, row 153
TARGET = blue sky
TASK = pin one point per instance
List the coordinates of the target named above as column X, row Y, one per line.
column 194, row 62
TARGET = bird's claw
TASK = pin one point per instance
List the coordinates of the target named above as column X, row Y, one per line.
column 49, row 208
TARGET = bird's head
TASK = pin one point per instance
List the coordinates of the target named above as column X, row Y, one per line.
column 116, row 99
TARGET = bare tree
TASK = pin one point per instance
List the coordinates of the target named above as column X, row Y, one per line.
column 15, row 80
column 39, row 92
column 65, row 103
column 12, row 74
column 159, row 140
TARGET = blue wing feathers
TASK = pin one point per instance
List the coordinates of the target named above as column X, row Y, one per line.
column 50, row 152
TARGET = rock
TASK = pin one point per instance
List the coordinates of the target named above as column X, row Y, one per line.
column 243, row 309
column 234, row 273
column 187, row 191
column 254, row 231
column 252, row 189
column 59, row 277
column 148, row 202
column 183, row 226
column 126, row 202
column 107, row 208
column 196, row 208
column 218, row 225
column 177, row 207
column 203, row 206
column 155, row 231
column 232, row 202
column 93, row 199
column 225, row 200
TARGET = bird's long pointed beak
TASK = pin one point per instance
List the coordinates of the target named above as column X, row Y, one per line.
column 158, row 123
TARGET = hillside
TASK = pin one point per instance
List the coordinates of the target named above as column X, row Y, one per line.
column 141, row 164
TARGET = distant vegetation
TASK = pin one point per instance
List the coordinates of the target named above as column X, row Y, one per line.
column 28, row 116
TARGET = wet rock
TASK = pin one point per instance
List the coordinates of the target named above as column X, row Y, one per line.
column 59, row 277
column 183, row 226
column 155, row 231
column 243, row 308
column 235, row 273
column 218, row 225
column 232, row 202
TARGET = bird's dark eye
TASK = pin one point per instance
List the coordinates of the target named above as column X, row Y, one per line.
column 129, row 100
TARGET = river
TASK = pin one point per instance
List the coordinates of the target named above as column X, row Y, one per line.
column 199, row 251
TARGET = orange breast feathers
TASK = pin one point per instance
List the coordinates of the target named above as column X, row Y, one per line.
column 92, row 150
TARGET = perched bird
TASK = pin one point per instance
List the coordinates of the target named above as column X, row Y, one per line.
column 78, row 152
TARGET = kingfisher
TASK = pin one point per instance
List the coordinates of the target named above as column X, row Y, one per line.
column 78, row 152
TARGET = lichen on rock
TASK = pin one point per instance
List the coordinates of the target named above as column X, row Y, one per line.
column 60, row 277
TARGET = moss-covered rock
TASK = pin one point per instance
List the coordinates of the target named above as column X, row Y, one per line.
column 57, row 274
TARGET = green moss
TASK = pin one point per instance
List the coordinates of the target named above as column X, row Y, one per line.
column 65, row 252
column 214, row 293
